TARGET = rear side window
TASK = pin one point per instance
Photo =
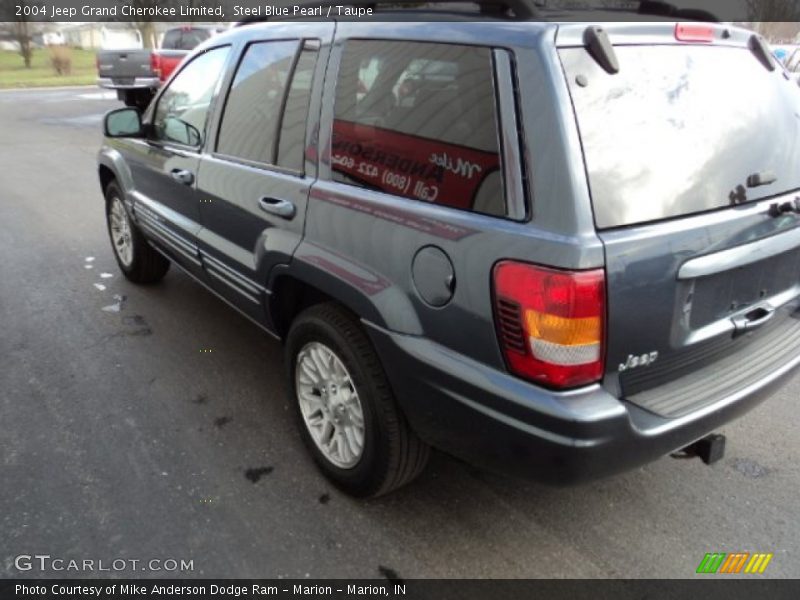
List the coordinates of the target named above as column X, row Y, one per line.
column 419, row 120
column 267, row 106
column 680, row 129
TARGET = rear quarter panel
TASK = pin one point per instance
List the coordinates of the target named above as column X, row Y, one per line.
column 362, row 243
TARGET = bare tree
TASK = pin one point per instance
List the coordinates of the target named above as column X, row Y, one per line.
column 777, row 31
column 146, row 26
column 763, row 11
column 23, row 34
column 21, row 29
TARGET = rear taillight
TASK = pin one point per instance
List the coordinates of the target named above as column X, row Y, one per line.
column 693, row 32
column 550, row 323
column 155, row 64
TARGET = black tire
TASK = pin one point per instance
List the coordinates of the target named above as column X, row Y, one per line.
column 147, row 264
column 392, row 453
column 137, row 98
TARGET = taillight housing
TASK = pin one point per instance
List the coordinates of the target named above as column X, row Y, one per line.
column 155, row 64
column 551, row 323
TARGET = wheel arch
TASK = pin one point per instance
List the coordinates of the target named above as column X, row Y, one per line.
column 106, row 176
column 111, row 166
column 304, row 283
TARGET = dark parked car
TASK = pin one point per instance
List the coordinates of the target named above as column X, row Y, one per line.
column 513, row 240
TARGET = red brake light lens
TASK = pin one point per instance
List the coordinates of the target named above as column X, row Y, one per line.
column 551, row 323
column 692, row 32
column 155, row 64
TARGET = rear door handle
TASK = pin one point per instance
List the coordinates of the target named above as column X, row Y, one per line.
column 282, row 208
column 753, row 318
column 182, row 176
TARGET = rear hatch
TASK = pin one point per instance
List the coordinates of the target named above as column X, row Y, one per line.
column 123, row 66
column 692, row 152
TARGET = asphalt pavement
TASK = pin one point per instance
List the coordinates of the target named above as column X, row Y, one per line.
column 143, row 423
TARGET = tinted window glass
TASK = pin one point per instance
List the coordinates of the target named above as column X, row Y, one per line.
column 182, row 110
column 184, row 39
column 171, row 39
column 252, row 111
column 193, row 37
column 680, row 128
column 418, row 120
column 293, row 126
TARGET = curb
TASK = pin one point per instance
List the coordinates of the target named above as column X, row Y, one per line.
column 48, row 88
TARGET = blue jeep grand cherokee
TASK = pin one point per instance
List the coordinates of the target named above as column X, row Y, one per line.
column 560, row 249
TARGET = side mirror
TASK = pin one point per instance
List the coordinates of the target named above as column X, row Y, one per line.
column 123, row 122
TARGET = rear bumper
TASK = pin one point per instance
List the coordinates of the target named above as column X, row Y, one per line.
column 497, row 421
column 136, row 84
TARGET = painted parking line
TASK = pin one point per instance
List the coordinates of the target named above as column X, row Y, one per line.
column 98, row 96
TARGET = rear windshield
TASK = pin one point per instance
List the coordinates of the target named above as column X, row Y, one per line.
column 681, row 128
column 184, row 39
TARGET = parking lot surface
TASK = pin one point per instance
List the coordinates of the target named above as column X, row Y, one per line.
column 152, row 423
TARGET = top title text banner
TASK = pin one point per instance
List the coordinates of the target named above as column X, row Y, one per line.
column 137, row 11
